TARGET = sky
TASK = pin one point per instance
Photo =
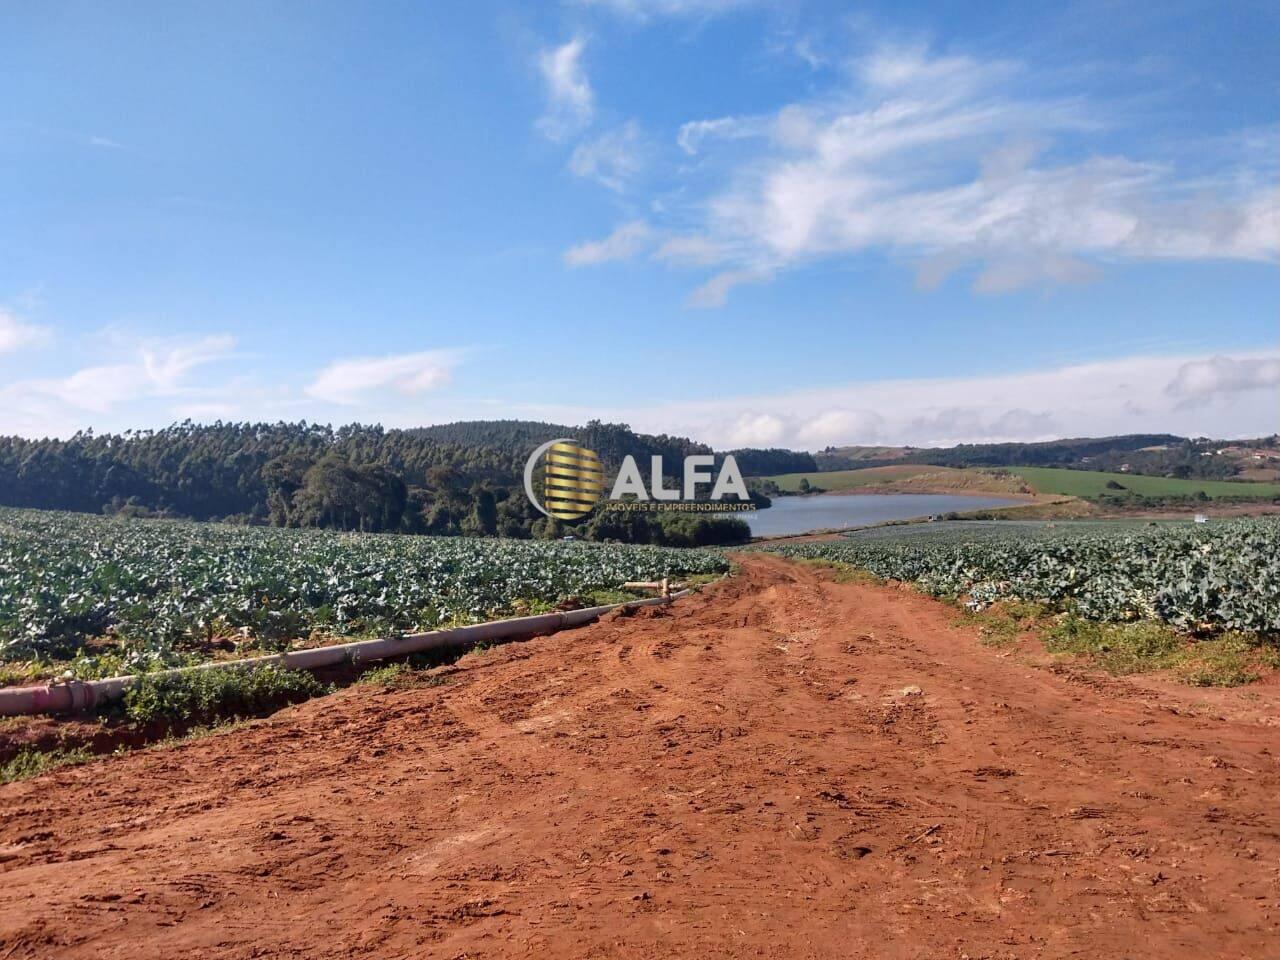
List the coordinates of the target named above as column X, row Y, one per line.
column 755, row 223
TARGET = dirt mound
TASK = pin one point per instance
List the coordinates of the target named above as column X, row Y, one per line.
column 781, row 767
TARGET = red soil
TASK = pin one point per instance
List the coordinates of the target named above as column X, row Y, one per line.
column 780, row 767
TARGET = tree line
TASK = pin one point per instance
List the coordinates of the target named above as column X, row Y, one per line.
column 455, row 479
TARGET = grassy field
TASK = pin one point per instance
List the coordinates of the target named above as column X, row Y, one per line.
column 1088, row 484
column 840, row 480
column 1091, row 484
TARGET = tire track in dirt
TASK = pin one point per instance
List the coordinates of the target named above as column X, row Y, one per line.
column 783, row 766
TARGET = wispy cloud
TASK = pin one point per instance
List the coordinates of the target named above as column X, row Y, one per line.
column 646, row 9
column 615, row 158
column 106, row 143
column 166, row 363
column 625, row 242
column 715, row 291
column 948, row 162
column 17, row 334
column 694, row 250
column 353, row 380
column 146, row 369
column 570, row 99
column 692, row 134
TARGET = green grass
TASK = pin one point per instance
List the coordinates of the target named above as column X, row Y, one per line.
column 32, row 763
column 1092, row 484
column 1118, row 648
column 1088, row 484
column 1122, row 649
column 213, row 695
column 999, row 625
column 392, row 676
column 850, row 479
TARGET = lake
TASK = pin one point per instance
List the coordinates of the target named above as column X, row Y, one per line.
column 790, row 515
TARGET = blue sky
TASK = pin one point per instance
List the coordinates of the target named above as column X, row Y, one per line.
column 758, row 223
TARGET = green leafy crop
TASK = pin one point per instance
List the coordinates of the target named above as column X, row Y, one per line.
column 1208, row 578
column 148, row 593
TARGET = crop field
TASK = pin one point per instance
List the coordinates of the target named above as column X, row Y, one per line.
column 118, row 595
column 971, row 531
column 1088, row 484
column 1223, row 576
column 854, row 479
column 1093, row 483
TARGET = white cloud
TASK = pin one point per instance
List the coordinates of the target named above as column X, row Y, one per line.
column 1201, row 379
column 351, row 381
column 166, row 363
column 804, row 49
column 614, row 158
column 570, row 99
column 1139, row 394
column 949, row 162
column 692, row 134
column 147, row 370
column 158, row 370
column 756, row 430
column 15, row 334
column 691, row 250
column 625, row 242
column 831, row 427
column 715, row 291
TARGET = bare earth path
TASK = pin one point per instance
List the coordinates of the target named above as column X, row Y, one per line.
column 738, row 776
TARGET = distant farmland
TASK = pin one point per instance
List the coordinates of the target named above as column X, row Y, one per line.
column 896, row 474
column 1091, row 484
column 1088, row 484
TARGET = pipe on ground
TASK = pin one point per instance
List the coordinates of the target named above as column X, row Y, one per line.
column 77, row 695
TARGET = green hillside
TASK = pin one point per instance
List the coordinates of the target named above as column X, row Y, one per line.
column 849, row 479
column 1087, row 484
column 1092, row 484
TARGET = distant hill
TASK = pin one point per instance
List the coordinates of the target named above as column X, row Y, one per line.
column 1047, row 453
column 459, row 478
column 467, row 477
column 1159, row 454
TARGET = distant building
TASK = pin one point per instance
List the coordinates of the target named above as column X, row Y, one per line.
column 1201, row 518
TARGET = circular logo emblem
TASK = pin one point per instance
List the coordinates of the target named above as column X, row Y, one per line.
column 573, row 479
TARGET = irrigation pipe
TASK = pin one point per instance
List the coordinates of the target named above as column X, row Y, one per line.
column 73, row 695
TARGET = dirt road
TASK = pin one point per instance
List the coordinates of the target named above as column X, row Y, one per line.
column 741, row 775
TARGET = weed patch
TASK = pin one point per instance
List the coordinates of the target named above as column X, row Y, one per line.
column 1224, row 662
column 1000, row 624
column 32, row 763
column 1229, row 660
column 1118, row 648
column 203, row 696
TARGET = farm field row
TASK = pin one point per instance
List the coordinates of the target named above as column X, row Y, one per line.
column 111, row 596
column 895, row 476
column 1223, row 576
column 1089, row 484
column 1093, row 483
